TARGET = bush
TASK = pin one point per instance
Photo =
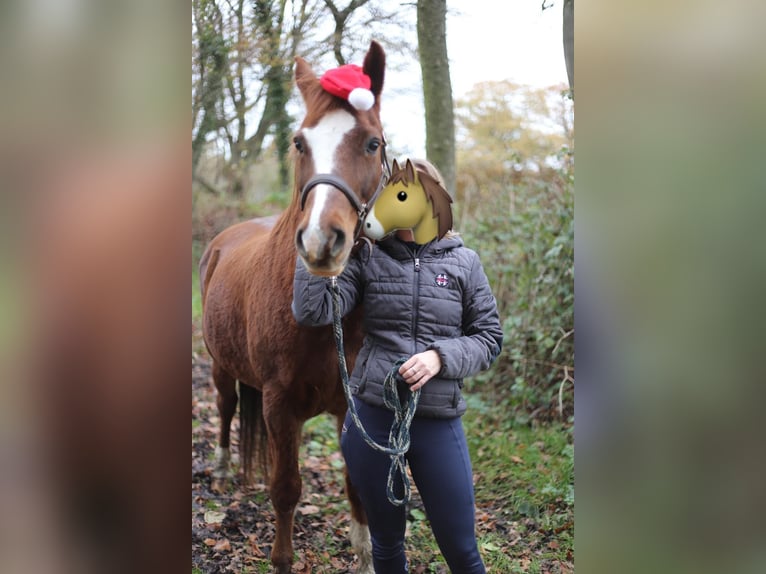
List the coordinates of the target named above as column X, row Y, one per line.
column 525, row 237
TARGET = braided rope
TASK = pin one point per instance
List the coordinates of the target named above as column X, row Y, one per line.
column 399, row 435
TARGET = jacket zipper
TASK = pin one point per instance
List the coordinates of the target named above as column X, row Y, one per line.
column 415, row 299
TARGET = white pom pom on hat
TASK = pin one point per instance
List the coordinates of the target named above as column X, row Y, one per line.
column 361, row 98
column 350, row 83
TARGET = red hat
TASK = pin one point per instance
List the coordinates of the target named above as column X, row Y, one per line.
column 350, row 83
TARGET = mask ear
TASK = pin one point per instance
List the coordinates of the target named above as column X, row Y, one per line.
column 375, row 67
column 304, row 76
column 410, row 171
column 394, row 167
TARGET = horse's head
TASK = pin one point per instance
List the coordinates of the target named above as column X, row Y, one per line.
column 414, row 198
column 339, row 153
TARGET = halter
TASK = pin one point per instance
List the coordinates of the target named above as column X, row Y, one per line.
column 362, row 207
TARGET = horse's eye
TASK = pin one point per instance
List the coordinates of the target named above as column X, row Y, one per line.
column 401, row 196
column 373, row 145
column 298, row 144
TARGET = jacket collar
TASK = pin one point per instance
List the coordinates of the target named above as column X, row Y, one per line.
column 398, row 249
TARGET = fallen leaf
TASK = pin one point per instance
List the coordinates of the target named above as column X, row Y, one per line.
column 214, row 517
column 209, row 542
column 222, row 546
column 516, row 459
column 308, row 509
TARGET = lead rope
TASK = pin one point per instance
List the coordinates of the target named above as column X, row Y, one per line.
column 399, row 436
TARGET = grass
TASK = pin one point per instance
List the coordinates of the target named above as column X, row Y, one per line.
column 196, row 298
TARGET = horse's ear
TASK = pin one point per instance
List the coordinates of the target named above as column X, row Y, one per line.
column 375, row 67
column 304, row 76
column 410, row 169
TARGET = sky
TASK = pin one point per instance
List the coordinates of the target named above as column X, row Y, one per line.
column 487, row 40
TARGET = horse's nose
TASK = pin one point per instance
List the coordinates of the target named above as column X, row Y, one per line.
column 299, row 244
column 336, row 241
column 319, row 246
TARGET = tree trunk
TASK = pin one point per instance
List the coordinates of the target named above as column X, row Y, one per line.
column 437, row 88
column 569, row 41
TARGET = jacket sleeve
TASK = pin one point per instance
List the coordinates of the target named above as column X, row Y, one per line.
column 312, row 295
column 482, row 338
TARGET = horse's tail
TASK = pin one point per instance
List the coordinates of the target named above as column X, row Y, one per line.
column 253, row 443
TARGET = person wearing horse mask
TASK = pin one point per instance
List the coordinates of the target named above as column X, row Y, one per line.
column 428, row 307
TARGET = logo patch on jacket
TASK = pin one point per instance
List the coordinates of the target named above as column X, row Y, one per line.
column 441, row 280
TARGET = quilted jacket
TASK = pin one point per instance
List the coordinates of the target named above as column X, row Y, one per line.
column 415, row 297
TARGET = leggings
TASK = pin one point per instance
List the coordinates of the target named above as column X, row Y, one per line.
column 441, row 468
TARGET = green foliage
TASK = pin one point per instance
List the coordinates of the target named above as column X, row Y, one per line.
column 526, row 474
column 518, row 214
column 528, row 252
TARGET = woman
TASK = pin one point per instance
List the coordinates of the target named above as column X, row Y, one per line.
column 432, row 304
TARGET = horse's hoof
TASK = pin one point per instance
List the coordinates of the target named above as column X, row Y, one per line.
column 281, row 569
column 367, row 569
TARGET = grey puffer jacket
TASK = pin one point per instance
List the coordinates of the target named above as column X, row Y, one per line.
column 415, row 297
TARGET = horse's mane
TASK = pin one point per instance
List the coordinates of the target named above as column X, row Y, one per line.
column 433, row 185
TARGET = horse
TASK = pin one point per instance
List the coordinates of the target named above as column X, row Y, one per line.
column 287, row 373
column 404, row 204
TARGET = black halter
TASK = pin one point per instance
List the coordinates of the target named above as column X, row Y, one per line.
column 362, row 207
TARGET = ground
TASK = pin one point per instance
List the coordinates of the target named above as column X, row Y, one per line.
column 525, row 504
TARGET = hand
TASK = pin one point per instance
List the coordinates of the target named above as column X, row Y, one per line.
column 419, row 369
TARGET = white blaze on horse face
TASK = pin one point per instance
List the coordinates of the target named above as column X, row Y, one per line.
column 323, row 140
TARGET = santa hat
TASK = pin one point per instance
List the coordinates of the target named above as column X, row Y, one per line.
column 350, row 83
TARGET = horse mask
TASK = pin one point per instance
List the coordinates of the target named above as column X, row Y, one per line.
column 414, row 198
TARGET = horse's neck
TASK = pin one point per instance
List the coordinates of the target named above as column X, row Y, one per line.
column 282, row 238
column 426, row 229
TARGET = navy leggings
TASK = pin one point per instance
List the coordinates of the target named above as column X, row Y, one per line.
column 441, row 467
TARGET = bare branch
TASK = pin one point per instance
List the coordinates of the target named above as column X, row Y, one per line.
column 566, row 334
column 567, row 379
column 206, row 185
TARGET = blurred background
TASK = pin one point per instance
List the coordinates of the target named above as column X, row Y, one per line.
column 94, row 287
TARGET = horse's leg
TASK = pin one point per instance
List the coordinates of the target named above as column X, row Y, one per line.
column 360, row 532
column 226, row 400
column 284, row 481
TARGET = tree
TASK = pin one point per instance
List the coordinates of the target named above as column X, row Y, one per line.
column 211, row 63
column 341, row 17
column 508, row 133
column 437, row 87
column 243, row 54
column 569, row 41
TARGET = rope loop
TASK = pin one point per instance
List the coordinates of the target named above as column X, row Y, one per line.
column 399, row 435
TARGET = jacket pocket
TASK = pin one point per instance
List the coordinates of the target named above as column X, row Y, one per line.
column 369, row 360
column 455, row 395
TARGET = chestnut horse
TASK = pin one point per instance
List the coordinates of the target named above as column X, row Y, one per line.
column 287, row 373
